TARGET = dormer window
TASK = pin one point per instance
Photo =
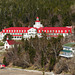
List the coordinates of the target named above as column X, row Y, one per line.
column 56, row 31
column 68, row 31
column 17, row 30
column 61, row 31
column 65, row 31
column 12, row 30
column 53, row 31
column 39, row 30
column 7, row 30
column 22, row 30
column 50, row 31
column 47, row 30
column 42, row 30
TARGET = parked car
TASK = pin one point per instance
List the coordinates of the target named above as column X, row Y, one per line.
column 2, row 65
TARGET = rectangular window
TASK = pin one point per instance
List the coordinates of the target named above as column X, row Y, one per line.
column 54, row 33
column 13, row 33
column 24, row 33
column 3, row 33
column 51, row 33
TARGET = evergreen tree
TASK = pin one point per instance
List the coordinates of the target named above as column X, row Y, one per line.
column 32, row 53
column 42, row 59
column 4, row 61
column 19, row 50
column 52, row 63
column 22, row 38
column 9, row 36
column 26, row 45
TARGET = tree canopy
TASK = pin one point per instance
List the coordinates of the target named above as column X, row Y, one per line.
column 23, row 12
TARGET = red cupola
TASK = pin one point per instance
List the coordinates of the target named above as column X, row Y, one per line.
column 37, row 19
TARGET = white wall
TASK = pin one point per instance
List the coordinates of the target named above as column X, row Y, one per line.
column 7, row 45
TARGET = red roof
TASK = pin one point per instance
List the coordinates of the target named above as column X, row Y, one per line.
column 56, row 28
column 37, row 19
column 11, row 42
column 22, row 29
column 45, row 29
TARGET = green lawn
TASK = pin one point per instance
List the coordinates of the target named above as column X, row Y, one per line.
column 70, row 44
column 1, row 43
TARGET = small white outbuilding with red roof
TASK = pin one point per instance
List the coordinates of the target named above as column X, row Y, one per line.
column 9, row 43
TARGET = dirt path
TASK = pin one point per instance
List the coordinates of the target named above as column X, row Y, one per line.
column 21, row 72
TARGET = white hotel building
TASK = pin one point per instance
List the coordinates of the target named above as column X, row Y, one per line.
column 37, row 29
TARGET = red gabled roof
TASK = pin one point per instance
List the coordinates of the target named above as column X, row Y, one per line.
column 11, row 42
column 25, row 29
column 56, row 28
column 17, row 28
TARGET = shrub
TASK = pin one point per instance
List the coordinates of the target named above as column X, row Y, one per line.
column 32, row 53
column 9, row 36
column 60, row 66
column 1, row 44
column 52, row 63
column 4, row 61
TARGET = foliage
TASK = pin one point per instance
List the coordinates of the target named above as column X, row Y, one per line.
column 42, row 59
column 4, row 61
column 52, row 63
column 26, row 45
column 22, row 38
column 19, row 50
column 73, row 17
column 32, row 53
column 54, row 20
column 65, row 65
column 1, row 44
column 67, row 20
column 56, row 45
column 21, row 13
column 9, row 37
column 36, row 51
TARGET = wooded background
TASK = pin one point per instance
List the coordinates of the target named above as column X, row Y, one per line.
column 22, row 13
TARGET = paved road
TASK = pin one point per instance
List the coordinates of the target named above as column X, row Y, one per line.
column 20, row 72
